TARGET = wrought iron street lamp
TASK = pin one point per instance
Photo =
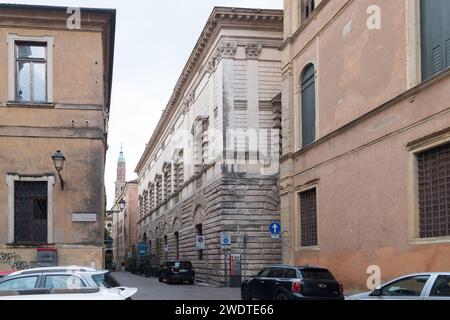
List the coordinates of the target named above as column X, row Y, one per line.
column 122, row 204
column 58, row 160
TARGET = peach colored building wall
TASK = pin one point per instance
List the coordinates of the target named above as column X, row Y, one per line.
column 75, row 122
column 370, row 121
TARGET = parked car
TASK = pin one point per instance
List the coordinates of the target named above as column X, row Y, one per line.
column 56, row 278
column 69, row 294
column 419, row 286
column 177, row 271
column 285, row 282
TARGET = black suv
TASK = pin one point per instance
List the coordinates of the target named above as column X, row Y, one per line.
column 177, row 271
column 286, row 282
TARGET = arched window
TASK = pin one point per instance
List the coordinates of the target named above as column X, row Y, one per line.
column 435, row 36
column 308, row 105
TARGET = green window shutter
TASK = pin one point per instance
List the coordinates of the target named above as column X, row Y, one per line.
column 308, row 100
column 435, row 36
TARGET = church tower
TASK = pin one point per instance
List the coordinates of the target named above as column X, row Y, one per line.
column 121, row 173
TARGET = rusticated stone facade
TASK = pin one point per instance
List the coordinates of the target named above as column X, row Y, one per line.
column 211, row 166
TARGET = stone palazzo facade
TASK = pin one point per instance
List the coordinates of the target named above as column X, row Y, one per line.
column 211, row 166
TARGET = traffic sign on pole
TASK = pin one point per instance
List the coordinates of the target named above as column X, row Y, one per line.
column 275, row 230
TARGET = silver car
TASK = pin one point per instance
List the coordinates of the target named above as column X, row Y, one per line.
column 418, row 286
column 61, row 283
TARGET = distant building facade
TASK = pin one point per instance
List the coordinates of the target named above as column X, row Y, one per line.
column 124, row 221
column 211, row 167
column 366, row 137
column 55, row 85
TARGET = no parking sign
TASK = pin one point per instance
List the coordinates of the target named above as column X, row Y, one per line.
column 200, row 243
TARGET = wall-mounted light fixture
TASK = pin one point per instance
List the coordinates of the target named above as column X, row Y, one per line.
column 58, row 160
column 122, row 204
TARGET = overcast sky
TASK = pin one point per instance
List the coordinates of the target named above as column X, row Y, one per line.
column 153, row 42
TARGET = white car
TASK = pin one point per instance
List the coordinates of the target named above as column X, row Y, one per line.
column 62, row 283
column 418, row 286
column 70, row 294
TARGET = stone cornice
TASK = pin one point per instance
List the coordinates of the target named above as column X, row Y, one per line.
column 221, row 17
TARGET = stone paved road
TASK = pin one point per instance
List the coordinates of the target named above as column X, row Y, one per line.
column 152, row 289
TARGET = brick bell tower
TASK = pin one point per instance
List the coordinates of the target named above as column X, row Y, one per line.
column 121, row 173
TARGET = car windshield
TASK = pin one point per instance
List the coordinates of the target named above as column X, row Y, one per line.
column 317, row 274
column 102, row 280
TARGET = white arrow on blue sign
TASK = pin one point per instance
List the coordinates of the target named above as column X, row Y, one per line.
column 275, row 228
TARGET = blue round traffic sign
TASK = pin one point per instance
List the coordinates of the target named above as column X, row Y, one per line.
column 275, row 228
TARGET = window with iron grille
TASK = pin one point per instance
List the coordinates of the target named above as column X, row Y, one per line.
column 434, row 192
column 308, row 218
column 30, row 212
column 307, row 8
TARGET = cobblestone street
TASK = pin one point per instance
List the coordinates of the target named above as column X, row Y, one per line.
column 152, row 289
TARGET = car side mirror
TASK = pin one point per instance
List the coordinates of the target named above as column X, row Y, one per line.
column 376, row 293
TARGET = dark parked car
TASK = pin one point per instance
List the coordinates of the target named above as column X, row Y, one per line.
column 286, row 282
column 177, row 271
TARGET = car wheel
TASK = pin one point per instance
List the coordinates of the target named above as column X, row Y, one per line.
column 245, row 294
column 160, row 279
column 282, row 296
column 191, row 281
column 169, row 280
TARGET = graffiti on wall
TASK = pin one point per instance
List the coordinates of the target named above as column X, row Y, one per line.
column 14, row 261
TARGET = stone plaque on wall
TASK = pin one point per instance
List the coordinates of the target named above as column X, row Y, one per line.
column 84, row 217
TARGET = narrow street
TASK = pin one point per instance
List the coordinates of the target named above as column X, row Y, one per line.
column 152, row 289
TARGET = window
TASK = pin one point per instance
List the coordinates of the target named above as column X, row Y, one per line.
column 317, row 274
column 200, row 142
column 441, row 287
column 63, row 282
column 158, row 187
column 31, row 72
column 307, row 7
column 435, row 36
column 179, row 172
column 166, row 247
column 434, row 197
column 411, row 287
column 308, row 106
column 30, row 212
column 25, row 283
column 30, row 69
column 290, row 274
column 199, row 228
column 264, row 273
column 167, row 177
column 308, row 218
column 276, row 273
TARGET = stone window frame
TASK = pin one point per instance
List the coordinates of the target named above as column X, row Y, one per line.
column 297, row 217
column 413, row 149
column 12, row 38
column 10, row 181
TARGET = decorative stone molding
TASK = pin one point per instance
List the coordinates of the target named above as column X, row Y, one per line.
column 210, row 65
column 226, row 49
column 253, row 50
column 199, row 209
